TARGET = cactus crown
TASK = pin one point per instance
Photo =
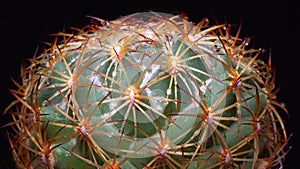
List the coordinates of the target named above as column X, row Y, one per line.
column 149, row 90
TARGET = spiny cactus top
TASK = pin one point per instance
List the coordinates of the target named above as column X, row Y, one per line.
column 149, row 90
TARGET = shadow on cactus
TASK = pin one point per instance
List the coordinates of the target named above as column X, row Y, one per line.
column 149, row 90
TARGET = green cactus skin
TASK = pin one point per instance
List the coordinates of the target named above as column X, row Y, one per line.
column 149, row 90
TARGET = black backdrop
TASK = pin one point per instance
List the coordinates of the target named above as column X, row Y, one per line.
column 24, row 25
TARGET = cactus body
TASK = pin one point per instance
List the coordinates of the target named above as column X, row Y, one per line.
column 149, row 90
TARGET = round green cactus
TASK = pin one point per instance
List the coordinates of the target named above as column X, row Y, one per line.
column 149, row 90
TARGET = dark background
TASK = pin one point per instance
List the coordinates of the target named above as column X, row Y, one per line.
column 272, row 24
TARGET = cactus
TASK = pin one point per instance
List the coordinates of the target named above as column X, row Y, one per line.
column 148, row 90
